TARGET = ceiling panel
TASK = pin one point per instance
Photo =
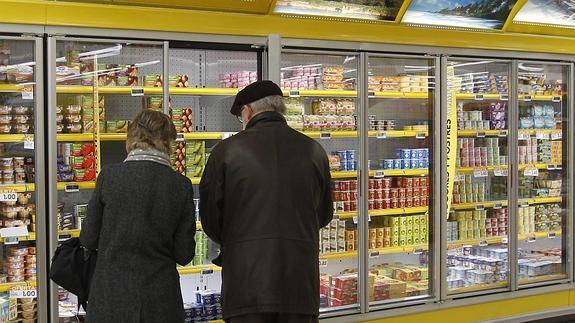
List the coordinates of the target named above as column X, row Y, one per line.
column 549, row 12
column 476, row 14
column 385, row 10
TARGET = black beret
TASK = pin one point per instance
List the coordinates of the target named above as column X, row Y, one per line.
column 254, row 92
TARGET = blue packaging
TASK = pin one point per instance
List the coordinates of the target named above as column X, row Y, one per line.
column 217, row 298
column 420, row 153
column 405, row 163
column 404, row 153
column 388, row 163
column 350, row 154
column 414, row 164
column 205, row 298
column 414, row 154
column 343, row 166
column 426, row 153
column 350, row 165
column 397, row 163
column 342, row 155
column 210, row 311
column 198, row 310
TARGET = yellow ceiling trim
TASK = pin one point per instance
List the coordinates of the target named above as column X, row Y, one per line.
column 209, row 22
column 272, row 6
column 514, row 11
column 542, row 29
column 402, row 11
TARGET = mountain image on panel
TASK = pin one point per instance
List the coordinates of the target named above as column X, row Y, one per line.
column 485, row 14
column 359, row 9
column 553, row 12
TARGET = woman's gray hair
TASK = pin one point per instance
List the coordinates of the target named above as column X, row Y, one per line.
column 269, row 103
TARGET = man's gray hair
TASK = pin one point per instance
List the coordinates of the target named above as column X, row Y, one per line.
column 269, row 103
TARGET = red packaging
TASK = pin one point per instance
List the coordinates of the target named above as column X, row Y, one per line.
column 394, row 193
column 371, row 184
column 386, row 182
column 402, row 193
column 353, row 196
column 339, row 206
column 336, row 196
column 394, row 203
column 425, row 201
column 408, row 182
column 347, row 206
column 416, row 192
column 402, row 203
column 352, row 185
column 337, row 186
column 378, row 183
column 344, row 186
column 423, row 181
column 353, row 206
column 386, row 193
column 347, row 281
column 371, row 195
column 371, row 204
column 378, row 194
column 408, row 192
column 416, row 182
column 408, row 202
column 416, row 201
column 345, row 196
column 386, row 204
column 424, row 192
column 378, row 204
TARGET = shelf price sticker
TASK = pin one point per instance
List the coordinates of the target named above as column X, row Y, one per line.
column 556, row 99
column 552, row 235
column 502, row 133
column 137, row 91
column 480, row 207
column 29, row 142
column 8, row 196
column 542, row 135
column 374, row 254
column 27, row 93
column 325, row 135
column 23, row 292
column 420, row 135
column 523, row 203
column 498, row 205
column 504, row 97
column 64, row 237
column 478, row 97
column 531, row 171
column 207, row 271
column 504, row 240
column 527, row 98
column 523, row 136
column 355, row 219
column 460, row 178
column 180, row 137
column 480, row 134
column 323, row 262
column 294, row 94
column 371, row 94
column 12, row 235
column 417, row 251
column 500, row 172
column 381, row 135
column 531, row 239
column 478, row 173
column 556, row 135
column 483, row 243
column 379, row 174
column 72, row 188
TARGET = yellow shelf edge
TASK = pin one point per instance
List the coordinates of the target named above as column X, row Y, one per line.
column 345, row 215
column 401, row 172
column 202, row 91
column 339, row 174
column 75, row 137
column 10, row 88
column 113, row 136
column 542, row 278
column 397, row 133
column 541, row 200
column 7, row 286
column 535, row 131
column 30, row 237
column 488, row 133
column 203, row 135
column 12, row 138
column 320, row 93
column 338, row 255
column 402, row 95
column 472, row 96
column 18, row 188
column 81, row 185
column 382, row 251
column 411, row 210
column 333, row 134
column 147, row 90
column 72, row 233
column 477, row 288
column 197, row 269
column 486, row 204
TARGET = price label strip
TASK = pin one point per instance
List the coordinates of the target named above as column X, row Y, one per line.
column 504, row 97
column 418, row 251
column 523, row 136
column 28, row 93
column 137, row 91
column 481, row 134
column 480, row 207
column 420, row 135
column 556, row 99
column 502, row 133
column 11, row 240
column 556, row 135
column 325, row 135
column 478, row 97
column 478, row 173
column 72, row 188
column 531, row 171
column 374, row 254
column 504, row 240
column 500, row 172
column 64, row 236
column 8, row 196
column 459, row 178
column 531, row 239
column 323, row 262
column 294, row 94
column 180, row 137
column 483, row 243
column 542, row 135
column 552, row 235
column 29, row 142
column 23, row 292
column 371, row 94
column 381, row 135
column 379, row 174
column 527, row 98
column 498, row 205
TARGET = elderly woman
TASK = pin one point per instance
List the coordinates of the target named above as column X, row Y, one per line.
column 141, row 221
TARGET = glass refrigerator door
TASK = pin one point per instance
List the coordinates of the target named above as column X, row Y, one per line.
column 202, row 87
column 401, row 102
column 19, row 196
column 542, row 173
column 323, row 104
column 477, row 165
column 100, row 87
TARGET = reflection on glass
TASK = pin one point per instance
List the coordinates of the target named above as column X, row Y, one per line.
column 482, row 14
column 552, row 12
column 477, row 225
column 359, row 9
column 400, row 115
column 542, row 177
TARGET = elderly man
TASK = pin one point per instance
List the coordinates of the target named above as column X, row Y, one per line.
column 264, row 195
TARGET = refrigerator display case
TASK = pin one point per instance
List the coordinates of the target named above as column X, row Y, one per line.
column 543, row 185
column 400, row 110
column 22, row 199
column 322, row 102
column 477, row 227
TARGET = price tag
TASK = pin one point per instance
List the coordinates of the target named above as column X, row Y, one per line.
column 556, row 99
column 64, row 236
column 374, row 254
column 323, row 262
column 420, row 135
column 11, row 240
column 504, row 97
column 459, row 178
column 8, row 196
column 551, row 167
column 556, row 135
column 137, row 91
column 478, row 97
column 72, row 188
column 501, row 172
column 498, row 205
column 207, row 272
column 481, row 134
column 381, row 135
column 480, row 207
column 558, row 167
column 504, row 240
column 531, row 239
column 523, row 136
column 26, row 292
column 552, row 235
column 542, row 135
column 379, row 174
column 480, row 173
column 20, row 231
column 180, row 137
column 483, row 243
column 369, row 218
column 418, row 251
column 523, row 204
column 371, row 94
column 294, row 94
column 325, row 135
column 527, row 98
column 533, row 172
column 27, row 94
column 502, row 133
column 355, row 219
column 29, row 142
